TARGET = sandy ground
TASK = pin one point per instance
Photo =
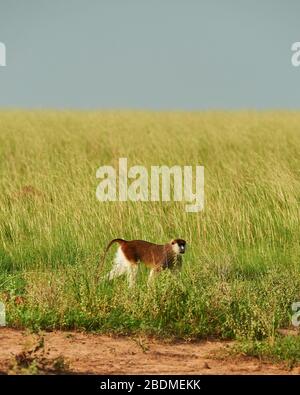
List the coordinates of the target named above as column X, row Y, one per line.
column 82, row 353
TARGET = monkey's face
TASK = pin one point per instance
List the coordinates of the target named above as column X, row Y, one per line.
column 178, row 246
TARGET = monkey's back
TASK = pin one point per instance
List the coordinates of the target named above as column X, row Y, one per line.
column 149, row 253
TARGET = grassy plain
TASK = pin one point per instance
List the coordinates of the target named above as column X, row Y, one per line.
column 242, row 269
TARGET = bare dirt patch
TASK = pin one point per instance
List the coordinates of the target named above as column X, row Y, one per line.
column 79, row 353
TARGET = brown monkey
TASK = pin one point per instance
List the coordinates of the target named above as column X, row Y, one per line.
column 155, row 256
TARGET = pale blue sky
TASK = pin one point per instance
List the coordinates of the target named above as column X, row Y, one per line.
column 142, row 54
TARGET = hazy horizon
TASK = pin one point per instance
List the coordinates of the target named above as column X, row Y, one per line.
column 133, row 55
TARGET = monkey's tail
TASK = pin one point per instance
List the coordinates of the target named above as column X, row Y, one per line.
column 119, row 241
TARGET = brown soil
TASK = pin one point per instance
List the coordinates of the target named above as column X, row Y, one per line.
column 78, row 353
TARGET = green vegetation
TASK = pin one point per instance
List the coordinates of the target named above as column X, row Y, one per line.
column 242, row 268
column 280, row 349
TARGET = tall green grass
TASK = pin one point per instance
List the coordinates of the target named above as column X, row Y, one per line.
column 242, row 269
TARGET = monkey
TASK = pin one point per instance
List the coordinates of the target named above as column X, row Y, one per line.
column 157, row 257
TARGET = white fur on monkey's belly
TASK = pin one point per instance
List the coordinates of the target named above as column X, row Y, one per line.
column 121, row 260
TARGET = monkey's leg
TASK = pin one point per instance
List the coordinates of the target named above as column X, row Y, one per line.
column 117, row 271
column 131, row 274
column 120, row 266
column 153, row 273
column 177, row 265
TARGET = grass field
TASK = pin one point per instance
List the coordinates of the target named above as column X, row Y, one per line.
column 242, row 269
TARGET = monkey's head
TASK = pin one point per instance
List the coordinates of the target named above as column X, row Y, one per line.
column 178, row 246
